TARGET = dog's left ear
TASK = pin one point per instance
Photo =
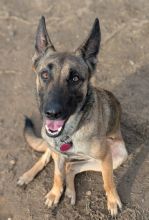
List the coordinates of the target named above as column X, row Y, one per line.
column 90, row 48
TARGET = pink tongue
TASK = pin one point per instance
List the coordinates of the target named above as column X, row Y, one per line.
column 54, row 125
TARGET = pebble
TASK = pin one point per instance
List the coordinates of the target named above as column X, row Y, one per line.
column 131, row 62
column 12, row 162
column 88, row 193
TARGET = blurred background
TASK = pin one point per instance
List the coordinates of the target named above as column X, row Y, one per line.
column 123, row 68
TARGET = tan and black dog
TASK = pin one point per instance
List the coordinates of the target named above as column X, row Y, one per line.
column 81, row 124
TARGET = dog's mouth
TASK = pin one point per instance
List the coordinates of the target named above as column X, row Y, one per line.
column 54, row 127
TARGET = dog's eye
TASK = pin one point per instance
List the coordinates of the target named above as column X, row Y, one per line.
column 75, row 78
column 45, row 75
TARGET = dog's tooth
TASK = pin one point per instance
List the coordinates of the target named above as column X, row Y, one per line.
column 60, row 129
column 53, row 133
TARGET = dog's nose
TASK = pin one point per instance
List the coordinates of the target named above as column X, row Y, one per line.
column 54, row 112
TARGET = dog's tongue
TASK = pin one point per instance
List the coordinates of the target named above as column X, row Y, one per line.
column 54, row 125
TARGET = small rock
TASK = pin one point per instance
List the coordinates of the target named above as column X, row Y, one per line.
column 131, row 62
column 12, row 162
column 88, row 193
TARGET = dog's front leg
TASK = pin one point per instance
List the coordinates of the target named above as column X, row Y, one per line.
column 28, row 176
column 113, row 199
column 70, row 187
column 53, row 197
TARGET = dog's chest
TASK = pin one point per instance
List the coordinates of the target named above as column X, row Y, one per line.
column 75, row 147
column 77, row 151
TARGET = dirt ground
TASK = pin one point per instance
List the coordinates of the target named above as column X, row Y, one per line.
column 123, row 68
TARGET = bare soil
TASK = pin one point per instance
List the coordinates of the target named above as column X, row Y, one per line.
column 123, row 69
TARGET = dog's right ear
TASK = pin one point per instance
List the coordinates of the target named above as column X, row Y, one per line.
column 42, row 41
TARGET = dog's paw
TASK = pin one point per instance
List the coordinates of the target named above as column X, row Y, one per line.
column 52, row 198
column 71, row 194
column 24, row 180
column 113, row 205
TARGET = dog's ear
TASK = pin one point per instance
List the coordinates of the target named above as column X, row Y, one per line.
column 90, row 48
column 42, row 41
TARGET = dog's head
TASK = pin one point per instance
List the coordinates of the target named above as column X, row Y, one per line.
column 63, row 78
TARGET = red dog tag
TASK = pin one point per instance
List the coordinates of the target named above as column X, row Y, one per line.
column 65, row 147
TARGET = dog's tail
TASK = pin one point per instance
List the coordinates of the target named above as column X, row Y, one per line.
column 35, row 142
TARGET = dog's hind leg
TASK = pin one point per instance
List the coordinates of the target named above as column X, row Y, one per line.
column 119, row 152
column 53, row 197
column 28, row 176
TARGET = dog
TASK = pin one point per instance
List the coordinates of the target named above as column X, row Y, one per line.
column 81, row 124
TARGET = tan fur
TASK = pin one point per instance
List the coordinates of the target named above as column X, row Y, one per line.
column 38, row 144
column 55, row 193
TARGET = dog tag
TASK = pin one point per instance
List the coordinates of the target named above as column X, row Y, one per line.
column 65, row 147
